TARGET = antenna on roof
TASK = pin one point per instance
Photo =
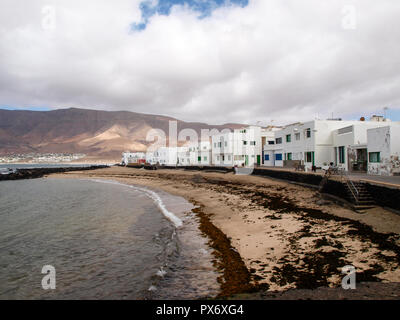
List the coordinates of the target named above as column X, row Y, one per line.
column 384, row 112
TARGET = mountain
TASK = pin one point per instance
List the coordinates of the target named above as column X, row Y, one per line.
column 93, row 132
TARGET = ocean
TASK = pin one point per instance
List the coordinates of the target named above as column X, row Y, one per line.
column 105, row 240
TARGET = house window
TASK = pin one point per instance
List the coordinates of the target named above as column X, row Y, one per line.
column 252, row 143
column 245, row 143
column 375, row 157
column 308, row 156
column 199, row 159
column 278, row 140
column 220, row 144
column 341, row 155
column 266, row 157
column 308, row 133
column 205, row 158
column 289, row 156
column 229, row 158
column 226, row 143
column 288, row 138
column 297, row 136
column 271, row 142
column 278, row 156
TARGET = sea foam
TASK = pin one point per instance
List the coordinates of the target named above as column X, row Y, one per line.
column 152, row 195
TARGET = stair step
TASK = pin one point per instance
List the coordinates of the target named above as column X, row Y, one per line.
column 363, row 207
column 365, row 202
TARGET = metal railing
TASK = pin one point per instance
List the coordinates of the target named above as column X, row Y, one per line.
column 350, row 184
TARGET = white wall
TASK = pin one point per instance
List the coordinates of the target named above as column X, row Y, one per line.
column 230, row 149
column 132, row 157
column 379, row 141
column 167, row 156
column 324, row 138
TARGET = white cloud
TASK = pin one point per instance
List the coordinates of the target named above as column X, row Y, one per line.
column 272, row 60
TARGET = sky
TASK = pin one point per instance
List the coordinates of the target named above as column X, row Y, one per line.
column 215, row 61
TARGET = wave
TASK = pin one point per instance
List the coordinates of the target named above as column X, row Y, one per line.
column 152, row 195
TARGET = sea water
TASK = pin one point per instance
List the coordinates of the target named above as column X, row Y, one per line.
column 105, row 240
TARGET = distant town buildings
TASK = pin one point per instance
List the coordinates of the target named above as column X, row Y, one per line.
column 362, row 146
column 41, row 157
column 133, row 157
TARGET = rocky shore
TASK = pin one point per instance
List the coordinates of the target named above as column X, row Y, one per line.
column 41, row 172
column 276, row 240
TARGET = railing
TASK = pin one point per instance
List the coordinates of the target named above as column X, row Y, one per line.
column 353, row 189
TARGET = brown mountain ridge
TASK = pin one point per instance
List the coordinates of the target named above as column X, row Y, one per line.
column 93, row 132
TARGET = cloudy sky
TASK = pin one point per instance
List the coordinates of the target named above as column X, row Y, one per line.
column 273, row 61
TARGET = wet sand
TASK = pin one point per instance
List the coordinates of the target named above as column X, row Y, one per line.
column 270, row 235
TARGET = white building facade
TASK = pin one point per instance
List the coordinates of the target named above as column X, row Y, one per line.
column 241, row 147
column 166, row 156
column 133, row 157
column 351, row 144
column 346, row 144
column 384, row 150
column 309, row 143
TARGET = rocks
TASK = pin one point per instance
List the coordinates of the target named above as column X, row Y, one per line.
column 40, row 172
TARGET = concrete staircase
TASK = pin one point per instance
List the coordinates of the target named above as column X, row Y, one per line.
column 359, row 196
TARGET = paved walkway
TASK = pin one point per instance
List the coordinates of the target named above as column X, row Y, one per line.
column 388, row 180
column 393, row 181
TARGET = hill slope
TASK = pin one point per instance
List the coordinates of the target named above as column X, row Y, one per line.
column 100, row 133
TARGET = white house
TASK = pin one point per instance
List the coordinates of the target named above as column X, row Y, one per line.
column 152, row 157
column 133, row 157
column 350, row 144
column 310, row 143
column 167, row 156
column 384, row 150
column 200, row 154
column 320, row 142
column 183, row 156
column 241, row 147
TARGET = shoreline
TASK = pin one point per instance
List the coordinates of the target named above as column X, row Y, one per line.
column 34, row 173
column 208, row 190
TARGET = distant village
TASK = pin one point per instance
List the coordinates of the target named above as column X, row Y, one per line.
column 41, row 157
column 370, row 146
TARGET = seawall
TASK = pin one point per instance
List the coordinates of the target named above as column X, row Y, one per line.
column 40, row 172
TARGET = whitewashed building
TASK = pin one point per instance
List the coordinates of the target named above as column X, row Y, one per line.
column 133, row 157
column 309, row 143
column 240, row 147
column 195, row 154
column 346, row 144
column 183, row 156
column 201, row 154
column 152, row 157
column 350, row 145
column 166, row 156
column 384, row 150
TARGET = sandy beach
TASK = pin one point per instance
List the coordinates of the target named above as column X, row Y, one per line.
column 272, row 236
